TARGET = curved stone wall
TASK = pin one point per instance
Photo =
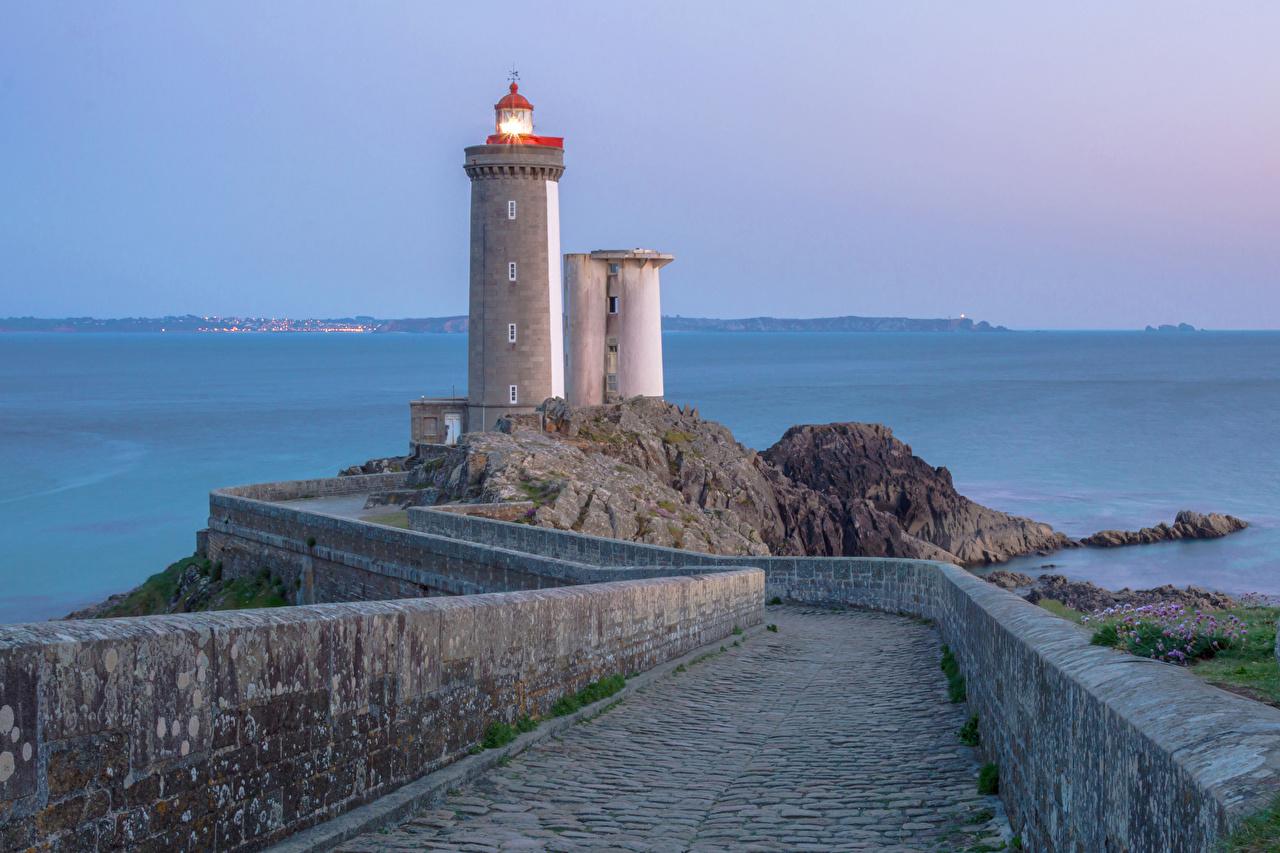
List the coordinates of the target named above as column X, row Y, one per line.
column 1098, row 750
column 231, row 730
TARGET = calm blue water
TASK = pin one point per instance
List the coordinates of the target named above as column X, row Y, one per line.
column 110, row 443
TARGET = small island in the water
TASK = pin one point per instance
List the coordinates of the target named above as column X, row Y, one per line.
column 1166, row 327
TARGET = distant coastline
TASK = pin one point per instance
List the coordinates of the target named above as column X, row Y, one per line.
column 190, row 323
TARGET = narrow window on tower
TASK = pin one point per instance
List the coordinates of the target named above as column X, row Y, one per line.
column 511, row 271
column 511, row 333
column 611, row 368
column 514, row 396
column 613, row 269
column 511, row 209
column 613, row 305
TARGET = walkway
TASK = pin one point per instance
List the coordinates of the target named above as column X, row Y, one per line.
column 832, row 734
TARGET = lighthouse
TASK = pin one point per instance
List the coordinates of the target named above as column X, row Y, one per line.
column 516, row 354
column 516, row 333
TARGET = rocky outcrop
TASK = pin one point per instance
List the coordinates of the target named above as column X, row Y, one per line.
column 648, row 471
column 1186, row 525
column 385, row 465
column 1088, row 598
column 1009, row 580
column 864, row 463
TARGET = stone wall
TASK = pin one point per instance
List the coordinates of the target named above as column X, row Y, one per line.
column 329, row 559
column 230, row 730
column 321, row 487
column 555, row 544
column 1097, row 750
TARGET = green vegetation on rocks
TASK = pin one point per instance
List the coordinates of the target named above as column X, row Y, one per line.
column 1244, row 664
column 192, row 584
column 969, row 735
column 1248, row 667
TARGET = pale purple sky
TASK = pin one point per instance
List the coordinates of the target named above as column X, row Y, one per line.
column 1097, row 165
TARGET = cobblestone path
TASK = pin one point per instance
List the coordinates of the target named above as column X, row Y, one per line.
column 832, row 734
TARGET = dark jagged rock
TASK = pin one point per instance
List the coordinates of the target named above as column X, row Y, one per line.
column 864, row 462
column 1186, row 525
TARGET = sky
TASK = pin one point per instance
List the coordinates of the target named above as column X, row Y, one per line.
column 1094, row 165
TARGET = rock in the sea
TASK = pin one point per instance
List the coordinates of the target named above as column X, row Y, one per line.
column 864, row 462
column 1186, row 525
column 648, row 471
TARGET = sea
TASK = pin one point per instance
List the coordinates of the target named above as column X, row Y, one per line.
column 110, row 443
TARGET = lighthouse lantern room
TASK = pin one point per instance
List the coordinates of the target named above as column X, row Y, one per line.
column 513, row 121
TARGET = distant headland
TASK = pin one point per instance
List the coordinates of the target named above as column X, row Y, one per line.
column 188, row 323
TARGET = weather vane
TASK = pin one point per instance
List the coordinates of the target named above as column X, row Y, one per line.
column 513, row 76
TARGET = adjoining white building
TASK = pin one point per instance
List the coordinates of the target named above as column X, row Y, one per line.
column 614, row 317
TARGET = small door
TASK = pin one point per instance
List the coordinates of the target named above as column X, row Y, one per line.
column 452, row 428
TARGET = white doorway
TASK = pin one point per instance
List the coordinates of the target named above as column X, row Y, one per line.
column 452, row 428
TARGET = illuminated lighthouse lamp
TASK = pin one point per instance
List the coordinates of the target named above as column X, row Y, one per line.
column 513, row 117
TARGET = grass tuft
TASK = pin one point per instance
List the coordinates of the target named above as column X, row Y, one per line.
column 1258, row 833
column 593, row 692
column 989, row 779
column 969, row 735
column 498, row 734
column 1057, row 608
column 956, row 690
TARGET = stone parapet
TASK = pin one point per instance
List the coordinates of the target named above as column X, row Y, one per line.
column 1097, row 749
column 230, row 730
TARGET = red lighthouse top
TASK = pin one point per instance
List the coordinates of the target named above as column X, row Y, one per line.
column 513, row 120
column 514, row 100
